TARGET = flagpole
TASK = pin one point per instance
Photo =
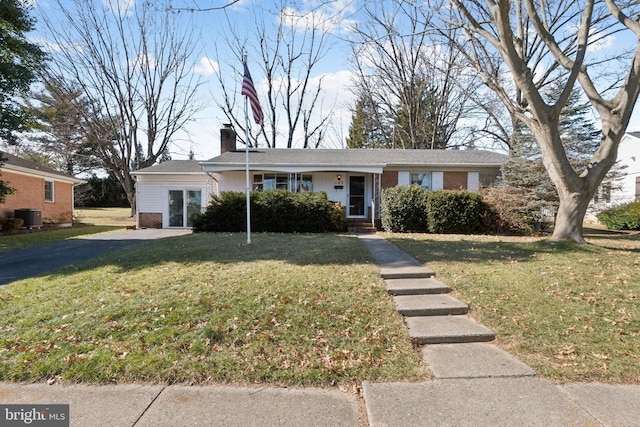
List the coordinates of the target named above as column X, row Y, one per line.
column 246, row 156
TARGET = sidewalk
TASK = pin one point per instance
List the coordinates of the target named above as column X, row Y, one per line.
column 475, row 384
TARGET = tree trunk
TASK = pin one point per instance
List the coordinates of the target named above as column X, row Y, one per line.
column 570, row 216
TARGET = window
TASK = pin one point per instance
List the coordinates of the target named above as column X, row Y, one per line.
column 422, row 179
column 48, row 191
column 183, row 204
column 637, row 188
column 489, row 179
column 283, row 181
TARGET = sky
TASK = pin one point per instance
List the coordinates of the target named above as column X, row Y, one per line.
column 213, row 55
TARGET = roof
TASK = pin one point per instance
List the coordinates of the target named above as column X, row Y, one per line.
column 23, row 165
column 172, row 167
column 634, row 134
column 373, row 160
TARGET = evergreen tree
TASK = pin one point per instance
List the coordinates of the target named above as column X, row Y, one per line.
column 366, row 130
column 417, row 128
column 62, row 140
column 18, row 67
column 525, row 173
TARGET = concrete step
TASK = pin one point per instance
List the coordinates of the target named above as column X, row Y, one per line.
column 406, row 272
column 416, row 286
column 473, row 360
column 429, row 305
column 447, row 329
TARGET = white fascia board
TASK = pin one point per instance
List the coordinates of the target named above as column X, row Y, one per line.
column 41, row 174
column 166, row 173
column 291, row 168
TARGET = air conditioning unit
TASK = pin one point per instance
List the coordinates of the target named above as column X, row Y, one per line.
column 32, row 217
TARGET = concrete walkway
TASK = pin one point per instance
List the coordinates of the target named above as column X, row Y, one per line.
column 476, row 384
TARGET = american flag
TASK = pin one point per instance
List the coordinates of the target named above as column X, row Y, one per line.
column 249, row 91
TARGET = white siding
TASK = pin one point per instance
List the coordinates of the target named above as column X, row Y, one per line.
column 628, row 155
column 152, row 191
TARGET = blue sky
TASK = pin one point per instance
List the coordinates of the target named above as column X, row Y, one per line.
column 213, row 54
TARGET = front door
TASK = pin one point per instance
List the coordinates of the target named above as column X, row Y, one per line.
column 356, row 195
column 182, row 205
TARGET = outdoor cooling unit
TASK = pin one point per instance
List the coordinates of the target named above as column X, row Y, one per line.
column 31, row 217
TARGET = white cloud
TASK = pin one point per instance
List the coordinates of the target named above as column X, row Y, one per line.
column 206, row 67
column 330, row 17
column 121, row 6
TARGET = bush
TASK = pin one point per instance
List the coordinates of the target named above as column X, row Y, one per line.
column 271, row 211
column 10, row 224
column 454, row 211
column 500, row 215
column 418, row 210
column 623, row 217
column 404, row 209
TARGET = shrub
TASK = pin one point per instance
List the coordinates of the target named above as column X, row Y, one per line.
column 415, row 209
column 623, row 217
column 404, row 209
column 454, row 211
column 11, row 224
column 499, row 215
column 272, row 210
column 226, row 212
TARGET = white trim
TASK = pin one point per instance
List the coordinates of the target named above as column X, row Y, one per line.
column 9, row 168
column 53, row 191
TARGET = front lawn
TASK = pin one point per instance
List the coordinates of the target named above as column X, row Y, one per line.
column 569, row 311
column 288, row 309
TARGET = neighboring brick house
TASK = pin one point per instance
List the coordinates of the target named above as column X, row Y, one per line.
column 168, row 193
column 37, row 187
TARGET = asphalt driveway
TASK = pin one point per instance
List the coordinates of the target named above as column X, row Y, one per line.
column 37, row 260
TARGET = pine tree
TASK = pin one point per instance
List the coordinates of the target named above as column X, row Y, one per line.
column 365, row 130
column 20, row 61
column 525, row 174
column 62, row 137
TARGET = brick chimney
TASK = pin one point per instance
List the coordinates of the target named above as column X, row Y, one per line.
column 227, row 138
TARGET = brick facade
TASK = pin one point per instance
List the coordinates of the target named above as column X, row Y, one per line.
column 30, row 194
column 454, row 181
column 149, row 220
column 389, row 179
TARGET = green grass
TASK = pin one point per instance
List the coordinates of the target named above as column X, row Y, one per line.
column 286, row 310
column 569, row 311
column 116, row 217
column 41, row 237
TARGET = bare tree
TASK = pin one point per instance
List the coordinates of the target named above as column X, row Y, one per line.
column 564, row 34
column 288, row 58
column 414, row 75
column 134, row 67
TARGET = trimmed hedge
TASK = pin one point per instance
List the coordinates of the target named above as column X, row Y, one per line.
column 415, row 209
column 623, row 217
column 278, row 211
column 403, row 209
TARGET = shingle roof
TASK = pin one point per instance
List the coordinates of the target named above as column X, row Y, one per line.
column 20, row 163
column 360, row 157
column 634, row 134
column 172, row 167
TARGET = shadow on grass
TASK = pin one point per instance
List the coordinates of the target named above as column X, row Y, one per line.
column 481, row 250
column 232, row 248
